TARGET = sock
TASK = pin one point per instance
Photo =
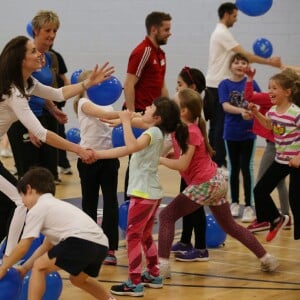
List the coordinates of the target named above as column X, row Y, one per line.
column 265, row 257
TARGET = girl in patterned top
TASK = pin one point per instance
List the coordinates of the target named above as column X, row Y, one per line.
column 284, row 120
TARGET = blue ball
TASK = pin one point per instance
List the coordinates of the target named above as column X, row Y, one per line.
column 29, row 29
column 53, row 286
column 263, row 47
column 35, row 244
column 107, row 92
column 75, row 75
column 118, row 135
column 123, row 215
column 10, row 285
column 254, row 8
column 215, row 236
column 73, row 135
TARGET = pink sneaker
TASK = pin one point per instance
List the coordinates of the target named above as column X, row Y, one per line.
column 258, row 226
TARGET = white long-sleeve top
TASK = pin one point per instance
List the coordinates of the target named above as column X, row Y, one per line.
column 16, row 107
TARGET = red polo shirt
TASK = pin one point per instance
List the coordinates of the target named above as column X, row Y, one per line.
column 148, row 63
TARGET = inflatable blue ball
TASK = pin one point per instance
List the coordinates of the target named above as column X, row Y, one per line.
column 35, row 244
column 107, row 92
column 118, row 135
column 263, row 48
column 75, row 75
column 123, row 215
column 53, row 289
column 10, row 285
column 73, row 135
column 254, row 8
column 215, row 236
column 29, row 29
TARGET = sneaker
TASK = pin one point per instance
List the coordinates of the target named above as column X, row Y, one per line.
column 66, row 171
column 165, row 270
column 128, row 289
column 288, row 225
column 235, row 209
column 154, row 282
column 180, row 247
column 248, row 215
column 270, row 264
column 110, row 260
column 258, row 226
column 193, row 255
column 276, row 227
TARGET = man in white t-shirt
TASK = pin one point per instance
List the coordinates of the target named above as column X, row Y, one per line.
column 73, row 241
column 221, row 47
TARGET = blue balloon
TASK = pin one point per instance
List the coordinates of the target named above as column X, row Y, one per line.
column 263, row 47
column 107, row 92
column 53, row 286
column 29, row 29
column 123, row 215
column 10, row 285
column 254, row 8
column 118, row 135
column 75, row 75
column 35, row 244
column 215, row 236
column 73, row 135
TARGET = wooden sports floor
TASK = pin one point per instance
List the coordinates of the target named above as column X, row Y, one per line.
column 232, row 272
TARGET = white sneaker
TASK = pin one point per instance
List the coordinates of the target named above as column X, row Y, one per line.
column 248, row 215
column 165, row 270
column 270, row 264
column 235, row 209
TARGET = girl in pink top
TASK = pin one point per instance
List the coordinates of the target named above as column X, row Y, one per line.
column 206, row 186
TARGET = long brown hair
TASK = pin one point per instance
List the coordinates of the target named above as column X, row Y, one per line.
column 192, row 100
column 11, row 59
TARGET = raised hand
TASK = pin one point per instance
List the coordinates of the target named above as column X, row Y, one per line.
column 100, row 74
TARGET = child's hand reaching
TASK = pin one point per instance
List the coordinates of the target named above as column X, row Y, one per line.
column 250, row 73
column 252, row 108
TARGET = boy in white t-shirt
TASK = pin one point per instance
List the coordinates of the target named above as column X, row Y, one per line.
column 73, row 241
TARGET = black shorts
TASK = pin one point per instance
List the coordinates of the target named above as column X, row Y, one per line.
column 76, row 255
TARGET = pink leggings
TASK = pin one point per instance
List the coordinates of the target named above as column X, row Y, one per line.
column 141, row 216
column 182, row 205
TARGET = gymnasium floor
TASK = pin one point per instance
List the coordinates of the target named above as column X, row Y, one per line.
column 232, row 270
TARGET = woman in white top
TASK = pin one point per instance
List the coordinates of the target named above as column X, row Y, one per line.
column 18, row 60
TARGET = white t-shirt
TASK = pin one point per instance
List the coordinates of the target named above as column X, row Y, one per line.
column 16, row 107
column 58, row 220
column 220, row 45
column 94, row 133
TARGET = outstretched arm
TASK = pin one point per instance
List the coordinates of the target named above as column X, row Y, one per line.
column 264, row 121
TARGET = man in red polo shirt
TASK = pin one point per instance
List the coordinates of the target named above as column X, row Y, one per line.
column 146, row 69
column 145, row 79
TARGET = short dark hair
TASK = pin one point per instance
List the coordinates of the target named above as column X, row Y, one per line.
column 227, row 7
column 155, row 19
column 40, row 179
column 238, row 56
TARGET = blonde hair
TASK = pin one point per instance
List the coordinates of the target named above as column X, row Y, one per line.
column 192, row 100
column 83, row 75
column 288, row 79
column 44, row 17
